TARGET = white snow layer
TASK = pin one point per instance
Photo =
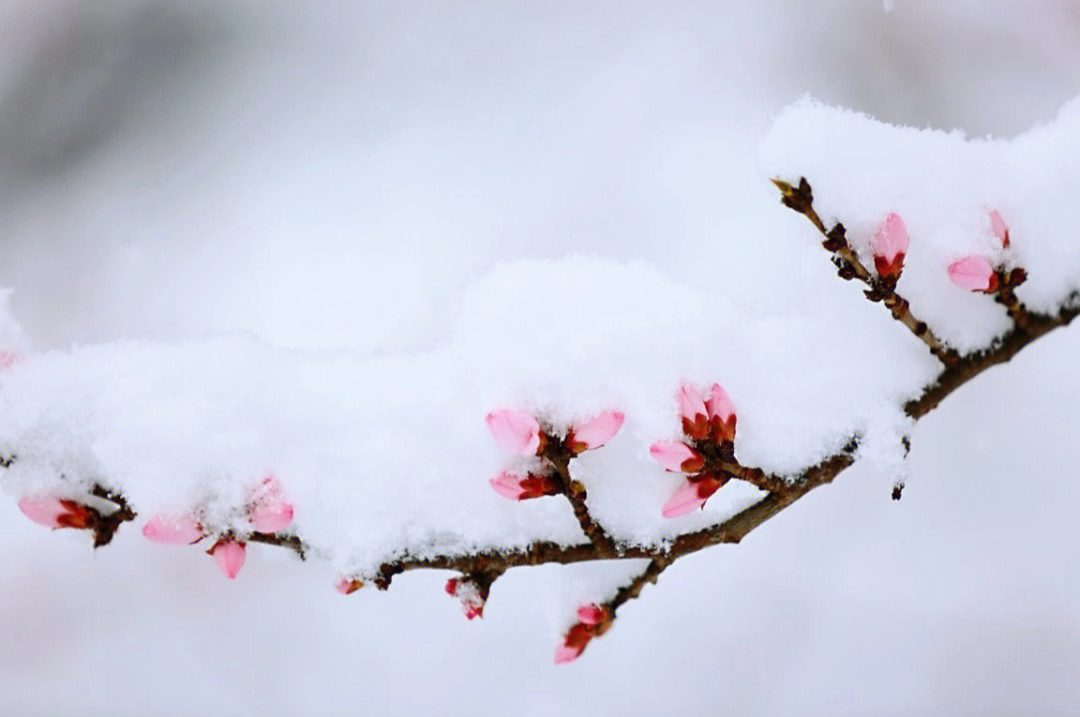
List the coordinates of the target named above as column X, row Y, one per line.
column 944, row 185
column 387, row 454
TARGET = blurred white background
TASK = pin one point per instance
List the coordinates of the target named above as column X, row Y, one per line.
column 333, row 175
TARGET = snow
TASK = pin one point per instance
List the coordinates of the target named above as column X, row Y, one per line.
column 944, row 186
column 358, row 198
column 388, row 455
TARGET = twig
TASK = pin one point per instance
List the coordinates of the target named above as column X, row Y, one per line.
column 559, row 457
column 801, row 199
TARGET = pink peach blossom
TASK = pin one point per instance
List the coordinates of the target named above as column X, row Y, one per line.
column 595, row 432
column 695, row 418
column 574, row 643
column 516, row 432
column 1000, row 229
column 721, row 414
column 173, row 529
column 676, row 456
column 973, row 273
column 690, row 495
column 890, row 246
column 53, row 512
column 268, row 511
column 514, row 487
column 347, row 586
column 565, row 653
column 228, row 555
column 592, row 614
column 271, row 518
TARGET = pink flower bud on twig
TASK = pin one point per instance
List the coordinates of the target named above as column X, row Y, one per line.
column 676, row 456
column 592, row 614
column 268, row 511
column 228, row 555
column 468, row 592
column 695, row 418
column 890, row 246
column 692, row 494
column 516, row 432
column 574, row 643
column 514, row 487
column 973, row 273
column 594, row 432
column 53, row 512
column 1000, row 229
column 347, row 586
column 173, row 529
column 721, row 415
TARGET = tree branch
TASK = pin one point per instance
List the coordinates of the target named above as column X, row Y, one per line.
column 483, row 567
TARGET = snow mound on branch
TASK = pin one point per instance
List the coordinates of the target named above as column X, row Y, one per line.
column 944, row 186
column 385, row 455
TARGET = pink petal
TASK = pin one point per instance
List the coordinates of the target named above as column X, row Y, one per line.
column 592, row 614
column 43, row 510
column 683, row 501
column 974, row 273
column 719, row 404
column 695, row 419
column 891, row 239
column 173, row 529
column 271, row 518
column 516, row 432
column 564, row 654
column 347, row 586
column 676, row 456
column 1000, row 229
column 229, row 556
column 508, row 485
column 598, row 430
column 691, row 404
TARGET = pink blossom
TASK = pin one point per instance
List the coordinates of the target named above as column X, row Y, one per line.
column 472, row 601
column 973, row 273
column 594, row 432
column 676, row 456
column 514, row 487
column 564, row 653
column 347, row 586
column 574, row 643
column 271, row 518
column 268, row 511
column 228, row 555
column 691, row 494
column 53, row 512
column 890, row 245
column 695, row 419
column 721, row 414
column 173, row 529
column 1000, row 229
column 592, row 614
column 516, row 432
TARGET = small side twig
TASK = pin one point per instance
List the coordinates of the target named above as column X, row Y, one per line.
column 801, row 199
column 559, row 457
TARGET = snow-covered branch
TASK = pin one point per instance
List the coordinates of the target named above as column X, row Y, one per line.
column 90, row 451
